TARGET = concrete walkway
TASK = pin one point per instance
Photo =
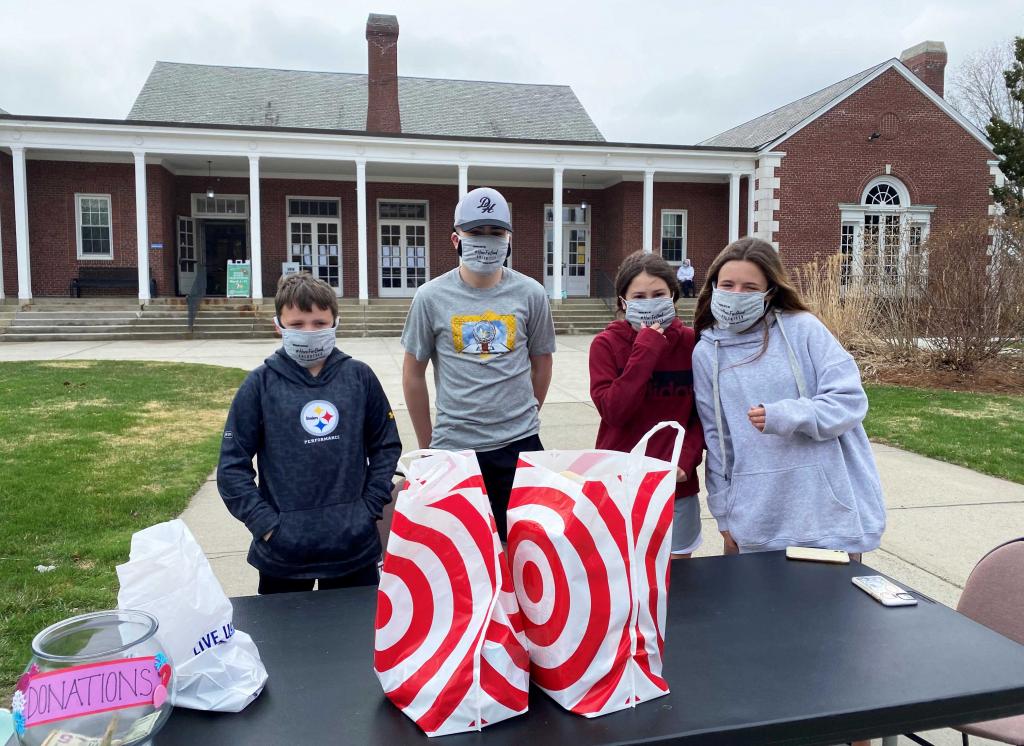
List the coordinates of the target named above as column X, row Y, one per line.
column 941, row 519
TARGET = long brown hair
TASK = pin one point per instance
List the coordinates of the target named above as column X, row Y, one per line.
column 782, row 295
column 637, row 263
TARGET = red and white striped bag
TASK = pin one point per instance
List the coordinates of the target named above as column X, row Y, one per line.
column 589, row 540
column 450, row 650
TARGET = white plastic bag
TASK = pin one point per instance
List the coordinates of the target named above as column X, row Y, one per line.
column 216, row 667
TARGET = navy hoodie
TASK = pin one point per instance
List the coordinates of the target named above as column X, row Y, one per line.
column 326, row 447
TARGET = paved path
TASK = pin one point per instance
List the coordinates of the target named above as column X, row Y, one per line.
column 942, row 518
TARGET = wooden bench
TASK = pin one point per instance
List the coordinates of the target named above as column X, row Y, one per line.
column 104, row 277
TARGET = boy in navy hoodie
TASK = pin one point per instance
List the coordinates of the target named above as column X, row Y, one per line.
column 326, row 444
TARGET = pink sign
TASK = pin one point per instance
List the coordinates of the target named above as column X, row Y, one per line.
column 90, row 689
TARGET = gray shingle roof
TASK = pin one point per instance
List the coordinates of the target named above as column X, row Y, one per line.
column 768, row 127
column 208, row 94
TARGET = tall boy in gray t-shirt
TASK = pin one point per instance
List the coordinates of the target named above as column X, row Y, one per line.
column 487, row 329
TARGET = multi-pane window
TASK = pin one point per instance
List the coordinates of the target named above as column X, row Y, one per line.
column 881, row 239
column 186, row 245
column 846, row 253
column 327, row 208
column 314, row 241
column 673, row 235
column 403, row 210
column 391, row 256
column 571, row 214
column 219, row 207
column 93, row 223
column 415, row 255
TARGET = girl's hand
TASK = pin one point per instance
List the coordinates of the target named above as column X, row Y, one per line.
column 731, row 547
column 656, row 327
column 756, row 415
column 680, row 474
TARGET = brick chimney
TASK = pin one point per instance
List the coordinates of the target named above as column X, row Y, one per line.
column 382, row 113
column 927, row 61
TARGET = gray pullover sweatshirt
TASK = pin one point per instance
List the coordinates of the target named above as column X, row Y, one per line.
column 810, row 478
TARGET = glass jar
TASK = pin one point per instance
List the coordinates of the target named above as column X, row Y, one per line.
column 99, row 679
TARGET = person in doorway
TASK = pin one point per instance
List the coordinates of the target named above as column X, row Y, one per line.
column 326, row 444
column 487, row 329
column 640, row 375
column 685, row 276
column 783, row 410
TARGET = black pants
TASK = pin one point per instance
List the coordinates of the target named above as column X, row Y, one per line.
column 498, row 468
column 363, row 576
column 687, row 288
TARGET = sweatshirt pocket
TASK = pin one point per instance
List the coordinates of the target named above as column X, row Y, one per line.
column 794, row 505
column 323, row 534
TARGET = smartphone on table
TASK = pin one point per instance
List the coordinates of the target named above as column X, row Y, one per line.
column 884, row 591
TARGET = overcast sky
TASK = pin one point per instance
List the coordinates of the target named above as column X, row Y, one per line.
column 671, row 72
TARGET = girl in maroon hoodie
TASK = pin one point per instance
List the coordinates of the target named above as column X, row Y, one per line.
column 640, row 375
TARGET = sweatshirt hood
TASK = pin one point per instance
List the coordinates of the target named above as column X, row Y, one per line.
column 284, row 366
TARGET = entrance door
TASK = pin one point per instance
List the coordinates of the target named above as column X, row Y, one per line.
column 223, row 240
column 187, row 258
column 314, row 245
column 575, row 251
column 404, row 251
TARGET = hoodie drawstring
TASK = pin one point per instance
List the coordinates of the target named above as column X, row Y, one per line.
column 798, row 374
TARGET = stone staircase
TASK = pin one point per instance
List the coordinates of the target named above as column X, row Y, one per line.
column 112, row 319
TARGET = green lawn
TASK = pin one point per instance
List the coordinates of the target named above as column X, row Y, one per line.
column 984, row 432
column 91, row 452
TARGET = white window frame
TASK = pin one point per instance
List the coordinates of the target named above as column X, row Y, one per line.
column 78, row 227
column 244, row 215
column 288, row 218
column 425, row 222
column 910, row 215
column 686, row 229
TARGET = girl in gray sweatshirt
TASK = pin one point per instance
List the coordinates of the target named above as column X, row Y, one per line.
column 782, row 406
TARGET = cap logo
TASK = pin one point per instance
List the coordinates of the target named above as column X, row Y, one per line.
column 486, row 205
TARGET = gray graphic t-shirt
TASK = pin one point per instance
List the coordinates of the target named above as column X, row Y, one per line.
column 480, row 342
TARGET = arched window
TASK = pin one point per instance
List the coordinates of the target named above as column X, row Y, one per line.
column 881, row 236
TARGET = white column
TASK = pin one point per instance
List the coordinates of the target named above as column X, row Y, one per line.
column 21, row 223
column 734, row 206
column 648, row 210
column 364, row 280
column 556, row 236
column 142, row 224
column 463, row 180
column 750, row 204
column 255, row 235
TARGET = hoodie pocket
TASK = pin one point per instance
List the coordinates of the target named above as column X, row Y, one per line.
column 323, row 534
column 794, row 505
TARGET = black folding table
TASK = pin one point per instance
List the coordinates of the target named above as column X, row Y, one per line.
column 759, row 650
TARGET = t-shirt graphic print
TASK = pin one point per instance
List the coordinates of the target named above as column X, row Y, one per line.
column 486, row 335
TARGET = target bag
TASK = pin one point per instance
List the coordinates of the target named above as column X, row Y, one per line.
column 589, row 539
column 450, row 650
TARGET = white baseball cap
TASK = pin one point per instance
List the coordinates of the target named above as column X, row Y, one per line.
column 483, row 206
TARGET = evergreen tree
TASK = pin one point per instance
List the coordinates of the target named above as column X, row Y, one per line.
column 1008, row 140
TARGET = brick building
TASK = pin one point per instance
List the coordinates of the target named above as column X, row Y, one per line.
column 355, row 178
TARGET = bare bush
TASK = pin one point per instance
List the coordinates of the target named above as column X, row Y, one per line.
column 974, row 297
column 955, row 301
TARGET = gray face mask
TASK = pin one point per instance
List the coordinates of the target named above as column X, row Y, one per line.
column 737, row 311
column 308, row 348
column 484, row 255
column 641, row 312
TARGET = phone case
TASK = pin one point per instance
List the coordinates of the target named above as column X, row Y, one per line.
column 811, row 554
column 884, row 591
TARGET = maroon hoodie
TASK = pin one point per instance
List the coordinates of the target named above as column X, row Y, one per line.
column 638, row 379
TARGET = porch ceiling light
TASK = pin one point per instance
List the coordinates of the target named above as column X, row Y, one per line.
column 583, row 203
column 209, row 180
